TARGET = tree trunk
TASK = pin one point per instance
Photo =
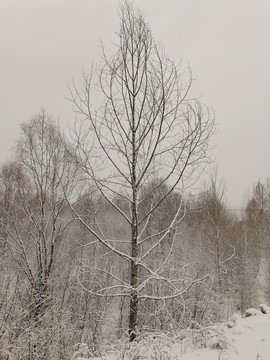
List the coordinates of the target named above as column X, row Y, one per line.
column 133, row 304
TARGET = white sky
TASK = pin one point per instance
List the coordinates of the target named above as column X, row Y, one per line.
column 44, row 44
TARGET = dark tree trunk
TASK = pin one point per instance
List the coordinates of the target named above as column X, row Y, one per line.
column 133, row 304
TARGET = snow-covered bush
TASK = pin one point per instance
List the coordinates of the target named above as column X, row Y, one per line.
column 147, row 346
column 211, row 337
column 150, row 346
column 236, row 318
column 162, row 346
column 81, row 352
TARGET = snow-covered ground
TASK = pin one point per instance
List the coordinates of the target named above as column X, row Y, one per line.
column 249, row 339
column 246, row 338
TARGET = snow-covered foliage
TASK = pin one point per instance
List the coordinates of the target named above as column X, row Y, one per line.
column 243, row 338
column 154, row 346
column 81, row 352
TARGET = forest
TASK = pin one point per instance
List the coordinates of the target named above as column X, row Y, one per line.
column 102, row 237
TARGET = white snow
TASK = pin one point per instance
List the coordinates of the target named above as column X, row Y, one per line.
column 252, row 312
column 249, row 339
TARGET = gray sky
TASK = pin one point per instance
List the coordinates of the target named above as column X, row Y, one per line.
column 47, row 43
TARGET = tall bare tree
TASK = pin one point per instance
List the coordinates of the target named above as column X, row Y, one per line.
column 35, row 217
column 148, row 130
column 48, row 172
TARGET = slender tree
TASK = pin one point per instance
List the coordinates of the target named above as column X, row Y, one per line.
column 258, row 235
column 148, row 130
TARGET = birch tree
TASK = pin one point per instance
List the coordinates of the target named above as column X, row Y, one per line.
column 147, row 130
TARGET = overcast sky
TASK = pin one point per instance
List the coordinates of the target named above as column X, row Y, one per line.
column 47, row 43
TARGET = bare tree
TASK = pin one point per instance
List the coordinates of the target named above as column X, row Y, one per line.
column 257, row 228
column 49, row 174
column 147, row 131
column 36, row 217
column 214, row 226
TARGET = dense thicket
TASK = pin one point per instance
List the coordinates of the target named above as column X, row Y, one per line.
column 50, row 277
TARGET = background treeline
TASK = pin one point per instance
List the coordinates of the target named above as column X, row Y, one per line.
column 58, row 281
